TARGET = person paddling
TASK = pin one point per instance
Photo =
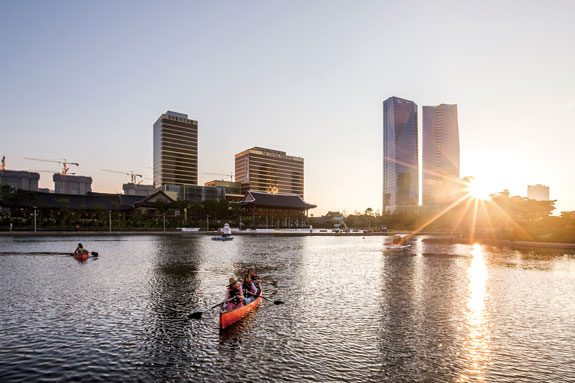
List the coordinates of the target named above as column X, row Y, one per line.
column 255, row 279
column 80, row 249
column 234, row 295
column 250, row 289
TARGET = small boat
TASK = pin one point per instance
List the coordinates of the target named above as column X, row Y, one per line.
column 399, row 243
column 226, row 234
column 228, row 318
column 222, row 238
column 81, row 256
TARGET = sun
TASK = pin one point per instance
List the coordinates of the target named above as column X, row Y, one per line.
column 478, row 190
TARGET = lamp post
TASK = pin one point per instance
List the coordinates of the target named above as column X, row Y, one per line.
column 207, row 223
column 110, row 219
column 164, row 221
column 35, row 207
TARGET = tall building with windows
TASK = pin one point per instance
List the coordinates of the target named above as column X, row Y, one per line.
column 175, row 153
column 400, row 158
column 269, row 171
column 440, row 162
column 538, row 192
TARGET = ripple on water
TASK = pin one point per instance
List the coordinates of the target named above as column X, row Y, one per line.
column 352, row 313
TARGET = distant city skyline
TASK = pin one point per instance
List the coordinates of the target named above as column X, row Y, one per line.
column 85, row 81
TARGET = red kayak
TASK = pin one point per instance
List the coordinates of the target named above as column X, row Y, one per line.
column 82, row 256
column 228, row 318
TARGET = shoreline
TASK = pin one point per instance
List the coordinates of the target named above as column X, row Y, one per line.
column 186, row 233
column 435, row 237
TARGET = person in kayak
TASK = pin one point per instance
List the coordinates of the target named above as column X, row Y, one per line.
column 80, row 250
column 255, row 279
column 234, row 295
column 250, row 289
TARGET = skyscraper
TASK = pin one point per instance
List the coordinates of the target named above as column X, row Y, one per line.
column 175, row 152
column 400, row 158
column 440, row 161
column 270, row 171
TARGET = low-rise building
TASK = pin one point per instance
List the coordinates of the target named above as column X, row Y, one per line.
column 274, row 210
column 137, row 189
column 20, row 180
column 232, row 190
column 69, row 184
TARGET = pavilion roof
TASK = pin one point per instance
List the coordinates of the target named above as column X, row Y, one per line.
column 285, row 201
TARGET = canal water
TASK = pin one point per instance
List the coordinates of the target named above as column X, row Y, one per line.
column 352, row 312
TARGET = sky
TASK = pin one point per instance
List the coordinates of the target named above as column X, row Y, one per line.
column 85, row 81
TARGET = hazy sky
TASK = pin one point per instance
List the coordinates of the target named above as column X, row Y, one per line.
column 85, row 81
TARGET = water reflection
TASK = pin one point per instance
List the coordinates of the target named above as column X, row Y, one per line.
column 477, row 342
column 172, row 284
column 443, row 313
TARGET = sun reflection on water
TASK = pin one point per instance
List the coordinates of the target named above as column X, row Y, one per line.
column 477, row 340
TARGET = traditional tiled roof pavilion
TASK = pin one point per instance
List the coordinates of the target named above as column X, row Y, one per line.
column 274, row 209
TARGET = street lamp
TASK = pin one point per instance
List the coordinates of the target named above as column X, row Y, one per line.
column 110, row 219
column 164, row 221
column 207, row 223
column 35, row 207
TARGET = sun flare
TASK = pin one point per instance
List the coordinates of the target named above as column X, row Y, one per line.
column 478, row 190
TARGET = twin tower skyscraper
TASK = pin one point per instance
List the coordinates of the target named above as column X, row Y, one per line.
column 440, row 158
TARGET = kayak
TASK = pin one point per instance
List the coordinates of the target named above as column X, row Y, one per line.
column 222, row 238
column 228, row 318
column 398, row 248
column 82, row 257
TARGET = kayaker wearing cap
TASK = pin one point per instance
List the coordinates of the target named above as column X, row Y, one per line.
column 250, row 289
column 255, row 279
column 234, row 295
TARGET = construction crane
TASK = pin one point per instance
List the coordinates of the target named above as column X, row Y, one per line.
column 231, row 175
column 64, row 164
column 133, row 176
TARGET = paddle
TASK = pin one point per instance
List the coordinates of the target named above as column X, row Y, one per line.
column 267, row 299
column 198, row 314
column 93, row 253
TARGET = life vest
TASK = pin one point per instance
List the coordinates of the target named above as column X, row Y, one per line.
column 256, row 281
column 250, row 291
column 234, row 294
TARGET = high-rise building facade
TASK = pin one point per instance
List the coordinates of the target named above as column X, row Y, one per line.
column 538, row 192
column 440, row 158
column 175, row 152
column 270, row 171
column 400, row 158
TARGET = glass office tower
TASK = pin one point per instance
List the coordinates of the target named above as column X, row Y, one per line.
column 269, row 171
column 400, row 158
column 440, row 162
column 175, row 152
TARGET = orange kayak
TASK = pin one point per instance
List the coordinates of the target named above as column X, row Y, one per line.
column 82, row 257
column 228, row 318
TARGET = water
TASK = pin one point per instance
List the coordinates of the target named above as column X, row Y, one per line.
column 351, row 313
